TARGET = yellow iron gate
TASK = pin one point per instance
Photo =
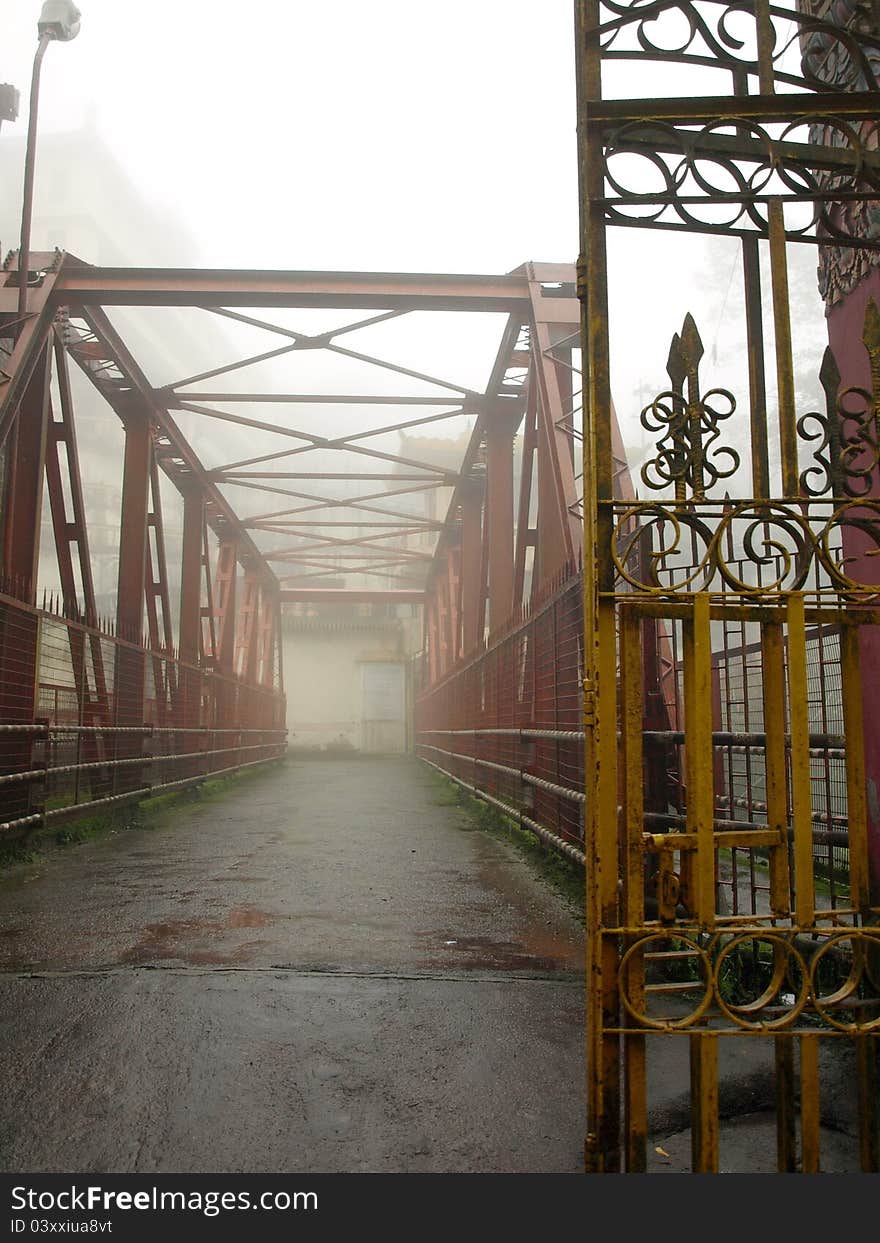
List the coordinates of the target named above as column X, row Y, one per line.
column 731, row 611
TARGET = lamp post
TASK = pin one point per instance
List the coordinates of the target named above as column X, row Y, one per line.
column 59, row 20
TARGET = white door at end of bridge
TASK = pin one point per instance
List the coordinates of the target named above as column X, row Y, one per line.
column 383, row 706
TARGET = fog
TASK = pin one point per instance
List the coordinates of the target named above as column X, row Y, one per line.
column 388, row 136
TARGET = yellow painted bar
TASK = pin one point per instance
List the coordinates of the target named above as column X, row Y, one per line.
column 747, row 840
column 632, row 774
column 699, row 754
column 801, row 796
column 773, row 690
column 634, row 1065
column 704, row 1102
column 607, row 863
column 592, row 292
column 809, row 1104
column 856, row 780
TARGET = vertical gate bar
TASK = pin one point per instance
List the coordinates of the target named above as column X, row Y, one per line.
column 757, row 378
column 773, row 693
column 809, row 1050
column 704, row 1102
column 799, row 726
column 856, row 776
column 786, row 1130
column 592, row 292
column 634, row 1067
column 699, row 758
column 869, row 1108
column 766, row 46
column 606, row 864
column 784, row 361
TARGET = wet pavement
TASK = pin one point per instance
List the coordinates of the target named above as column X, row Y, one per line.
column 327, row 969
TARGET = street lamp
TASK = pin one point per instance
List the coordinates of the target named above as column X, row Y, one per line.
column 8, row 102
column 59, row 20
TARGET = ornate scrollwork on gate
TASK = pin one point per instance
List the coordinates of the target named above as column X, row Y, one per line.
column 716, row 178
column 693, row 542
column 779, row 547
column 689, row 421
column 838, row 54
column 848, row 455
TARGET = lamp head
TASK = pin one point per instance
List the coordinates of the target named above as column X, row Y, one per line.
column 60, row 19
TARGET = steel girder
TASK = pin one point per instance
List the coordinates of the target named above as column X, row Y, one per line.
column 488, row 560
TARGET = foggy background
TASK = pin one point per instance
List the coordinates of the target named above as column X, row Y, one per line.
column 384, row 136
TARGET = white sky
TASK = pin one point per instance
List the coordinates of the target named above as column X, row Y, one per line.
column 388, row 135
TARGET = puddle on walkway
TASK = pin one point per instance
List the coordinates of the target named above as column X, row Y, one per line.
column 184, row 939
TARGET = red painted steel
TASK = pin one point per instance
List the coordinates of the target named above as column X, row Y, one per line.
column 492, row 557
column 341, row 595
column 157, row 739
column 507, row 719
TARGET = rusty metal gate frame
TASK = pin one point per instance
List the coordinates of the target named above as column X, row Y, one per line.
column 806, row 542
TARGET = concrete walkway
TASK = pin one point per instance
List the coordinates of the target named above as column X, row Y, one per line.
column 326, row 970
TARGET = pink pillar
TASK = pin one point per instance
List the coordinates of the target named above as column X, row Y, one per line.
column 846, row 320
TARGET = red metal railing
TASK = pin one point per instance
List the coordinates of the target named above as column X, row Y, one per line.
column 91, row 720
column 506, row 722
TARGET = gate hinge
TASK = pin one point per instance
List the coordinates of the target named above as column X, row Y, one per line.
column 581, row 277
column 589, row 705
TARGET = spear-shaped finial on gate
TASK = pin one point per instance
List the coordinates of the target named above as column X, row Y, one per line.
column 675, row 367
column 691, row 344
column 829, row 378
column 692, row 351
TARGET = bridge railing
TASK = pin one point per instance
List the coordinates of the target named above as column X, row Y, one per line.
column 91, row 720
column 506, row 723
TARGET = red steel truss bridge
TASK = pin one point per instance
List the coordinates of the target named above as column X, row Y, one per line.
column 670, row 678
column 99, row 708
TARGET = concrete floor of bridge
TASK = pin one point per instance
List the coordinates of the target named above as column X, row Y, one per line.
column 326, row 970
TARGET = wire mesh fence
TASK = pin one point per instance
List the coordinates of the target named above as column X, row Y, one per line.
column 89, row 720
column 506, row 724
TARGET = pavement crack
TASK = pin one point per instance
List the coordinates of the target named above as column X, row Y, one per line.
column 284, row 969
